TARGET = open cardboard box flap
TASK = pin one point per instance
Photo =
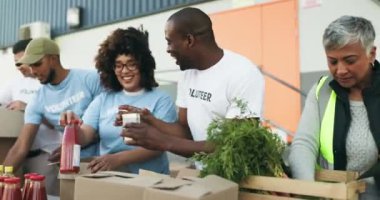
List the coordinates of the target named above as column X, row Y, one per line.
column 186, row 172
column 210, row 188
column 172, row 184
column 115, row 173
column 143, row 172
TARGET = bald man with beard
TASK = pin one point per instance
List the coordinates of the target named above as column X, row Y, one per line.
column 213, row 78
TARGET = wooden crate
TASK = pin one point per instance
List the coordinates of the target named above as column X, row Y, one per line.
column 328, row 185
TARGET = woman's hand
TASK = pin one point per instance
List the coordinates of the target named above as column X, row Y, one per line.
column 67, row 117
column 104, row 163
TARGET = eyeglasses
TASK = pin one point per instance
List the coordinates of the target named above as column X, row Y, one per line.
column 131, row 66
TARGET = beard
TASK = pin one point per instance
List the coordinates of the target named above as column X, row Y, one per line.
column 184, row 65
column 50, row 77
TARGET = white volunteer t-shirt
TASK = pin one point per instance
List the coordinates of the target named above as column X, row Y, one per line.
column 23, row 89
column 209, row 94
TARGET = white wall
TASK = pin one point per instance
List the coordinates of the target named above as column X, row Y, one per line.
column 313, row 21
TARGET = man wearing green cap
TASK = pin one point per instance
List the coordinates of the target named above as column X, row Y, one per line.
column 15, row 96
column 37, row 50
column 62, row 90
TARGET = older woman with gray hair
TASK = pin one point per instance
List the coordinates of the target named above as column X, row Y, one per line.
column 340, row 124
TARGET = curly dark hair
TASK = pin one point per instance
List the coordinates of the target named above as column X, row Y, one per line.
column 130, row 41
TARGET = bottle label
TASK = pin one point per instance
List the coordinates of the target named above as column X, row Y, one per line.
column 76, row 155
column 131, row 118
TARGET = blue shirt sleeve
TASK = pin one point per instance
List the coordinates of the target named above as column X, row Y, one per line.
column 92, row 80
column 92, row 113
column 34, row 111
column 165, row 109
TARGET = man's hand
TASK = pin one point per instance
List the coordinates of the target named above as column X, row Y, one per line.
column 145, row 114
column 55, row 156
column 146, row 136
column 104, row 163
column 16, row 105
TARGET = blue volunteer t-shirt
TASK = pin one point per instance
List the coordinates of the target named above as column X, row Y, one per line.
column 101, row 114
column 74, row 93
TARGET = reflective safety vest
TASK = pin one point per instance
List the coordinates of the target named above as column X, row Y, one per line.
column 326, row 98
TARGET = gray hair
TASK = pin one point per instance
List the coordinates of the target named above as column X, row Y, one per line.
column 348, row 30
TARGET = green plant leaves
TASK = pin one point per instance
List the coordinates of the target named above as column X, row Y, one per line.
column 242, row 148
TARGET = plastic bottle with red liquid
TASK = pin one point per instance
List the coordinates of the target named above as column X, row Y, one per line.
column 37, row 190
column 27, row 182
column 12, row 189
column 1, row 186
column 70, row 150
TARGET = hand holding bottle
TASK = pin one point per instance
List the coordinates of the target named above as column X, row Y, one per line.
column 70, row 149
column 144, row 114
column 67, row 117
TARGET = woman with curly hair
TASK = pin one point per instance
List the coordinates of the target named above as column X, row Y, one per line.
column 126, row 67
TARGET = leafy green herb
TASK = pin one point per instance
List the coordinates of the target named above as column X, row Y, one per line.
column 243, row 147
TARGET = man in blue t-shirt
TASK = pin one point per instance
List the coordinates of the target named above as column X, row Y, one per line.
column 62, row 90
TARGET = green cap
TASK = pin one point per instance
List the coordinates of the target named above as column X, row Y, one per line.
column 38, row 48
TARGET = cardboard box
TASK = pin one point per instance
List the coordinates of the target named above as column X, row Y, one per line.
column 176, row 166
column 209, row 188
column 328, row 185
column 11, row 123
column 143, row 172
column 112, row 186
column 5, row 145
column 187, row 172
column 178, row 173
column 67, row 182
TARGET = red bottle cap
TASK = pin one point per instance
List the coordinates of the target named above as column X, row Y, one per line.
column 27, row 176
column 12, row 180
column 37, row 178
column 74, row 121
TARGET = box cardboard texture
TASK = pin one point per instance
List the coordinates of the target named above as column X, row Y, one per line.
column 11, row 123
column 112, row 186
column 177, row 170
column 150, row 186
column 209, row 188
column 186, row 172
column 67, row 182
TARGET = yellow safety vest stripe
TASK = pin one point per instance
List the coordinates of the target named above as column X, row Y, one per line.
column 319, row 86
column 327, row 130
column 327, row 124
